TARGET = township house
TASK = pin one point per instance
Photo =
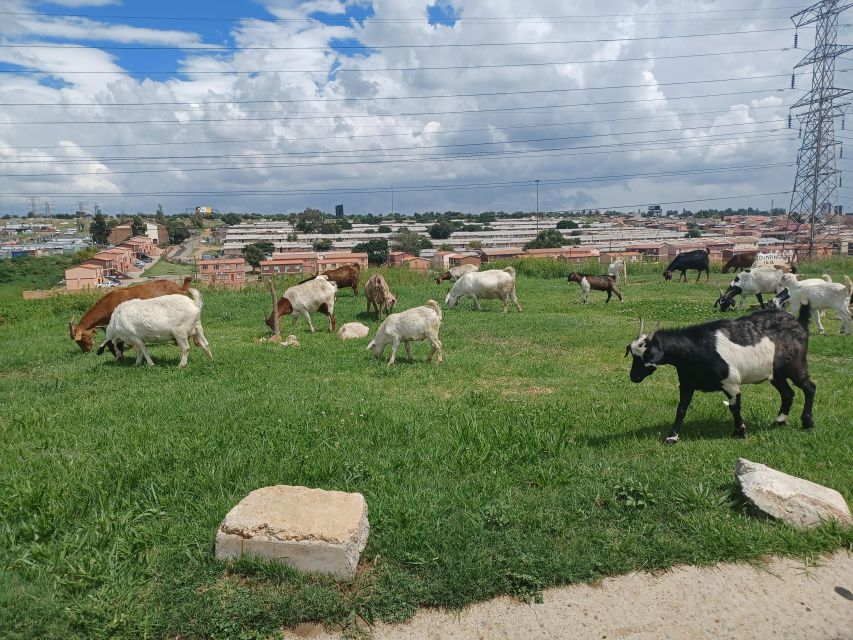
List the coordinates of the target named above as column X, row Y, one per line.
column 444, row 260
column 309, row 262
column 158, row 233
column 401, row 259
column 84, row 276
column 222, row 272
column 115, row 262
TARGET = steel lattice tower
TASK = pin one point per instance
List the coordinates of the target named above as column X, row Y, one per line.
column 813, row 217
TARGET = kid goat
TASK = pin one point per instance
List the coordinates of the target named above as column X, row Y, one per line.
column 724, row 354
column 420, row 323
column 597, row 283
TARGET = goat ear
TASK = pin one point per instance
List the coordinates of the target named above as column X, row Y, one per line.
column 627, row 351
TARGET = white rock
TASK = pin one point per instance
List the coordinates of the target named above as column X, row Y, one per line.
column 290, row 341
column 353, row 330
column 795, row 501
column 308, row 529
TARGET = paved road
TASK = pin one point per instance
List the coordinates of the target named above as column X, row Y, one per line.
column 781, row 600
column 186, row 250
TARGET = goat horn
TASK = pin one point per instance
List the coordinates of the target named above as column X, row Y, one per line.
column 642, row 324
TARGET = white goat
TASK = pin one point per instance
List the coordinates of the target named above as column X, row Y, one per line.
column 379, row 295
column 164, row 319
column 495, row 283
column 301, row 300
column 618, row 269
column 454, row 273
column 750, row 283
column 820, row 296
column 420, row 323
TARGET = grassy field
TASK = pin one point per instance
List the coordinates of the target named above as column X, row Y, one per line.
column 527, row 459
column 163, row 268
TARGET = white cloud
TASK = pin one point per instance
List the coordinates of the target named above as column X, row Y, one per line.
column 355, row 139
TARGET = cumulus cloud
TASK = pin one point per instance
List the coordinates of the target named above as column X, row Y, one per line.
column 329, row 119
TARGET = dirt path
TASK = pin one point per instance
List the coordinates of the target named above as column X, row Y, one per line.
column 783, row 599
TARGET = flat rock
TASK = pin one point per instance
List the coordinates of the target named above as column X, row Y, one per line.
column 289, row 341
column 308, row 529
column 797, row 502
column 353, row 330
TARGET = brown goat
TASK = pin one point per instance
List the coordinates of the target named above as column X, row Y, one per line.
column 596, row 283
column 379, row 295
column 740, row 261
column 346, row 276
column 100, row 313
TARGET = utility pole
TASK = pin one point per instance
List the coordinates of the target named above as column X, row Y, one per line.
column 537, row 207
column 392, row 200
column 813, row 220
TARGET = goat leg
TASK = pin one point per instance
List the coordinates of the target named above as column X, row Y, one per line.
column 685, row 395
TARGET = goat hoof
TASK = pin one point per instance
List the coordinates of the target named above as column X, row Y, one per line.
column 808, row 423
column 671, row 440
column 739, row 433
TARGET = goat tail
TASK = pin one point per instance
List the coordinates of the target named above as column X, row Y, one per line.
column 432, row 304
column 804, row 315
column 187, row 281
column 196, row 296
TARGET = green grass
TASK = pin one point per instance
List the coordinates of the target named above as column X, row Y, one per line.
column 527, row 459
column 163, row 268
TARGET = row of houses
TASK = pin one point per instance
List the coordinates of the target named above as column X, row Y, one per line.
column 116, row 262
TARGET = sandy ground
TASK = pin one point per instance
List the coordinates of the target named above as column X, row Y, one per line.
column 782, row 599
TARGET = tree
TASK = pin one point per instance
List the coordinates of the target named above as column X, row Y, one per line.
column 376, row 250
column 198, row 220
column 137, row 226
column 160, row 217
column 446, row 247
column 567, row 224
column 548, row 239
column 693, row 233
column 257, row 251
column 384, row 228
column 177, row 228
column 309, row 220
column 475, row 245
column 440, row 230
column 231, row 219
column 323, row 244
column 409, row 242
column 99, row 229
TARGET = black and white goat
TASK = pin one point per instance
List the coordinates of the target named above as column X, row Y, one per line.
column 724, row 354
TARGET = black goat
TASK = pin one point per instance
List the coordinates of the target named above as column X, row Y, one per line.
column 698, row 259
column 724, row 354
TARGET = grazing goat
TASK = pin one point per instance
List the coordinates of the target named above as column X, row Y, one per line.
column 618, row 269
column 750, row 283
column 698, row 259
column 724, row 354
column 598, row 283
column 317, row 294
column 740, row 261
column 819, row 295
column 83, row 332
column 379, row 295
column 164, row 319
column 454, row 273
column 346, row 276
column 420, row 323
column 488, row 285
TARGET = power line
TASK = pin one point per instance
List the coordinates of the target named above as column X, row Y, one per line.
column 415, row 113
column 380, row 47
column 322, row 152
column 488, row 155
column 407, row 131
column 200, row 104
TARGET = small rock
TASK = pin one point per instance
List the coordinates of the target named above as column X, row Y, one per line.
column 308, row 529
column 275, row 339
column 353, row 330
column 290, row 341
column 797, row 502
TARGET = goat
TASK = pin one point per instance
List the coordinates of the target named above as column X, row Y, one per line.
column 819, row 295
column 617, row 269
column 495, row 283
column 162, row 319
column 698, row 259
column 379, row 295
column 99, row 314
column 317, row 294
column 598, row 283
column 345, row 276
column 750, row 283
column 724, row 354
column 454, row 273
column 420, row 323
column 740, row 261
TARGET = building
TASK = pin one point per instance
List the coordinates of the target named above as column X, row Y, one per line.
column 332, row 260
column 84, row 276
column 142, row 246
column 490, row 255
column 280, row 265
column 570, row 254
column 223, row 272
column 157, row 233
